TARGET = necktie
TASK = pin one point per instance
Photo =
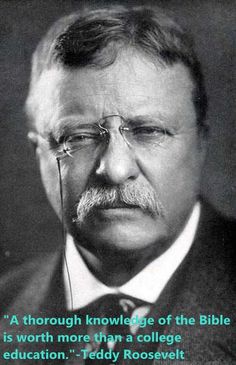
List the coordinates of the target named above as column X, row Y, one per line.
column 109, row 306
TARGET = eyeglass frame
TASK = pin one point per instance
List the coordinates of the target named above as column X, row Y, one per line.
column 104, row 132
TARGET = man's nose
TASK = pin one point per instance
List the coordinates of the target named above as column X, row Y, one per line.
column 117, row 164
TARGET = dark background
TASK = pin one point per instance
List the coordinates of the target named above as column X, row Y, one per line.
column 27, row 222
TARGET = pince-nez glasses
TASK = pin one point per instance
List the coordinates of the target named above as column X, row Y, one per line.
column 86, row 139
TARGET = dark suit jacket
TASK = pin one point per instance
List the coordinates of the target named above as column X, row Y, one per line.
column 204, row 284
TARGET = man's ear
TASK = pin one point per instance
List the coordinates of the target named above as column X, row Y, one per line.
column 33, row 138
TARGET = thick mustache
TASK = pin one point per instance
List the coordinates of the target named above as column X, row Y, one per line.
column 129, row 196
column 116, row 204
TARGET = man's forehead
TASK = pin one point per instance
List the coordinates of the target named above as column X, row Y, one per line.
column 132, row 85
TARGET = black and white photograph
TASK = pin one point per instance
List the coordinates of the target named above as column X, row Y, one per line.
column 118, row 182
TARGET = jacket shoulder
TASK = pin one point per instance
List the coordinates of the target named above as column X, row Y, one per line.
column 18, row 279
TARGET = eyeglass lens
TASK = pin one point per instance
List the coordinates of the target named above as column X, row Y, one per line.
column 88, row 138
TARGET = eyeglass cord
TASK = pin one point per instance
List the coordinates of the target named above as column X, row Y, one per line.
column 64, row 233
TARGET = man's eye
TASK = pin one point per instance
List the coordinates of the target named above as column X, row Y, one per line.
column 82, row 137
column 149, row 131
column 80, row 140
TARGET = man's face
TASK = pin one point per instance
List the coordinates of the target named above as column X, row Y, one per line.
column 166, row 171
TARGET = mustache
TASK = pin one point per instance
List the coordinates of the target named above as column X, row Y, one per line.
column 129, row 196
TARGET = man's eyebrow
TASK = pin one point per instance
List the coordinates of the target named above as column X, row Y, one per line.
column 66, row 123
column 70, row 122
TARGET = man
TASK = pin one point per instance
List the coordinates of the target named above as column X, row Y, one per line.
column 117, row 111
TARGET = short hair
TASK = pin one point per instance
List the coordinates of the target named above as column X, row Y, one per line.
column 93, row 37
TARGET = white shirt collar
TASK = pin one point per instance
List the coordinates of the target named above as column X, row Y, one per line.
column 86, row 287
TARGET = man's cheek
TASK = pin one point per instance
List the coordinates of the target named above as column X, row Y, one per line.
column 76, row 178
column 50, row 180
